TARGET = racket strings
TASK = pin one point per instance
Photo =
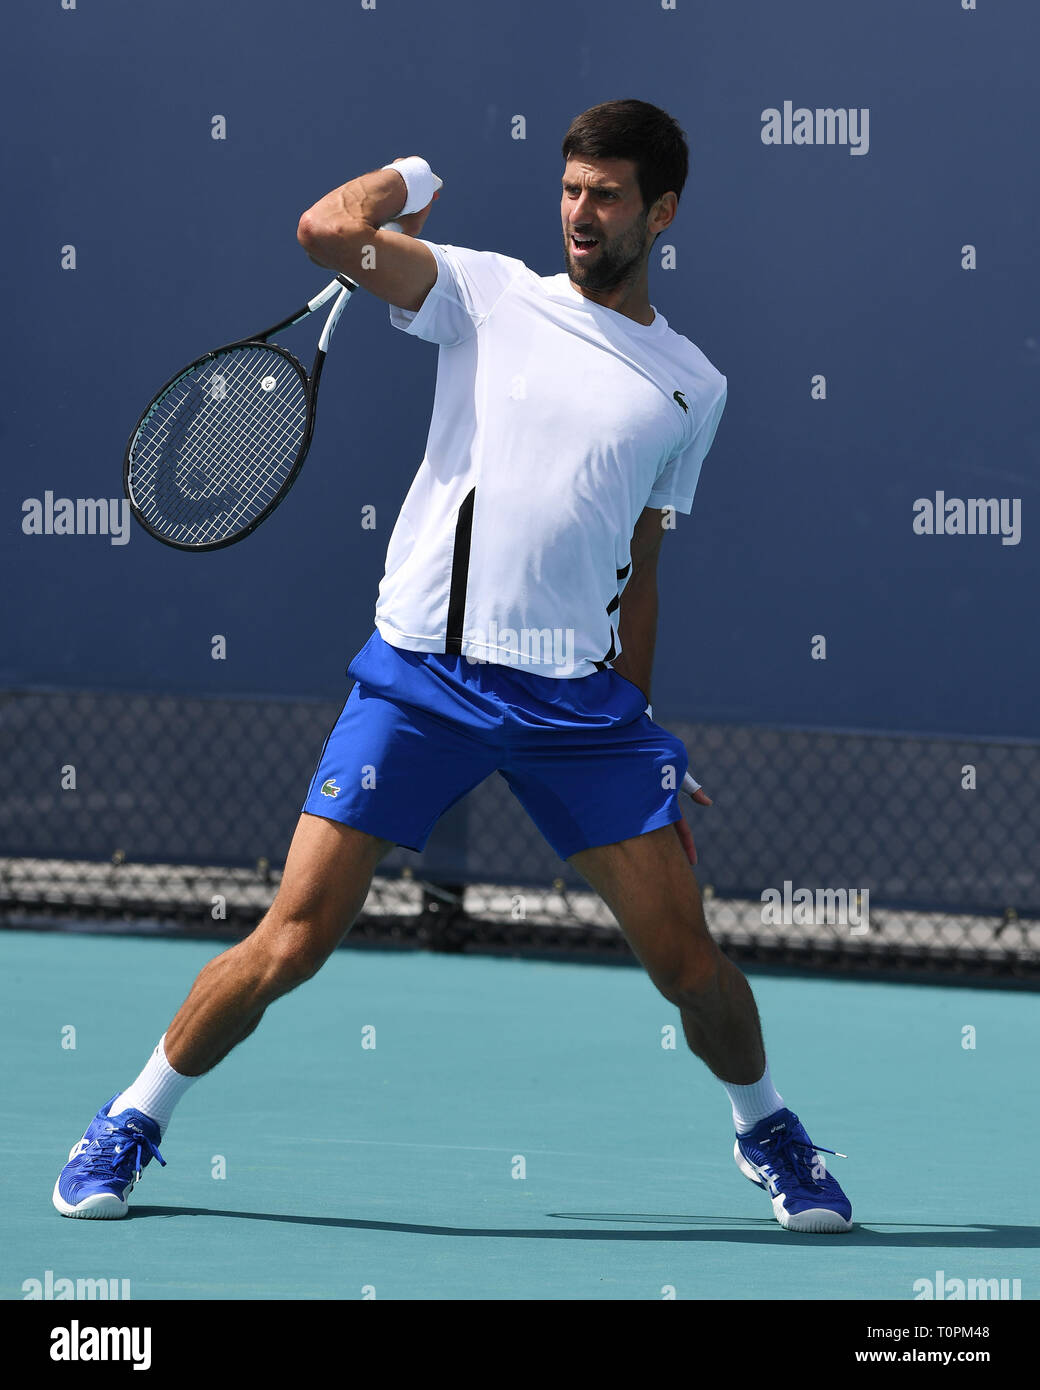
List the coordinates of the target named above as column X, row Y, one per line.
column 219, row 444
column 229, row 436
column 230, row 422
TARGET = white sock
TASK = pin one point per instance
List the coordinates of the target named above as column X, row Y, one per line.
column 156, row 1091
column 753, row 1103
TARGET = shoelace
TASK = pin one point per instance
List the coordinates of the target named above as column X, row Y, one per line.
column 783, row 1148
column 110, row 1157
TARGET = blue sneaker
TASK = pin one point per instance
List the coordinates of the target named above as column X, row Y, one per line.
column 105, row 1165
column 779, row 1156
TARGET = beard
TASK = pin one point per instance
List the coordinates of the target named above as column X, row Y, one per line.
column 615, row 261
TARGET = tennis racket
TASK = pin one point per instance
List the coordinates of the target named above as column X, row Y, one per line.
column 222, row 443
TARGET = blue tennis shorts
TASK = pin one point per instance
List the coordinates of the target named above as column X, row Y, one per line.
column 420, row 730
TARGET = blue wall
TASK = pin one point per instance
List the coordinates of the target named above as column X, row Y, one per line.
column 791, row 261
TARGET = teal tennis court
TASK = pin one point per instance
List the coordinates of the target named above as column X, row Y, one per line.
column 416, row 1126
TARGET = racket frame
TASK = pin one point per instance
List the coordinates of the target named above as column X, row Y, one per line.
column 343, row 287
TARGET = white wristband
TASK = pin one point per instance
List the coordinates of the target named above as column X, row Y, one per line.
column 689, row 785
column 420, row 181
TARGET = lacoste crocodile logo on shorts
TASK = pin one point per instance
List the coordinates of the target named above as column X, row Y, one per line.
column 329, row 788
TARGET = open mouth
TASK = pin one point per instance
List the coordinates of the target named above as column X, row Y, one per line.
column 582, row 245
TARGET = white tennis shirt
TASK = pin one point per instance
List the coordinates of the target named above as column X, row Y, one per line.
column 555, row 422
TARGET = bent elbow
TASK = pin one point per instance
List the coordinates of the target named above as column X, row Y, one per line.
column 331, row 241
column 306, row 230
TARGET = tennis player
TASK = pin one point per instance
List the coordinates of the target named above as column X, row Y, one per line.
column 514, row 632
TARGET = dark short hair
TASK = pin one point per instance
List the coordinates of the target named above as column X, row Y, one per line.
column 633, row 130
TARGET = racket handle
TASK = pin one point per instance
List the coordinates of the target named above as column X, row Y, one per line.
column 348, row 288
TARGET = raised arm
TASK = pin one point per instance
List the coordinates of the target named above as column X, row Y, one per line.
column 344, row 231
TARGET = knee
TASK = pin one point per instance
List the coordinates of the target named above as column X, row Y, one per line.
column 693, row 976
column 292, row 952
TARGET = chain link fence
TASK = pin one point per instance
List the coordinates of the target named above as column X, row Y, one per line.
column 858, row 852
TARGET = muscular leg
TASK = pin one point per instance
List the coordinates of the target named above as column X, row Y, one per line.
column 648, row 885
column 327, row 876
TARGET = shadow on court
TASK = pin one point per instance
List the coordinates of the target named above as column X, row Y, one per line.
column 743, row 1230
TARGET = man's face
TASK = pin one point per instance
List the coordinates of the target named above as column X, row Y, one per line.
column 605, row 232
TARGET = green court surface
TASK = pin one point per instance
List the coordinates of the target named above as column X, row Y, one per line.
column 518, row 1131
